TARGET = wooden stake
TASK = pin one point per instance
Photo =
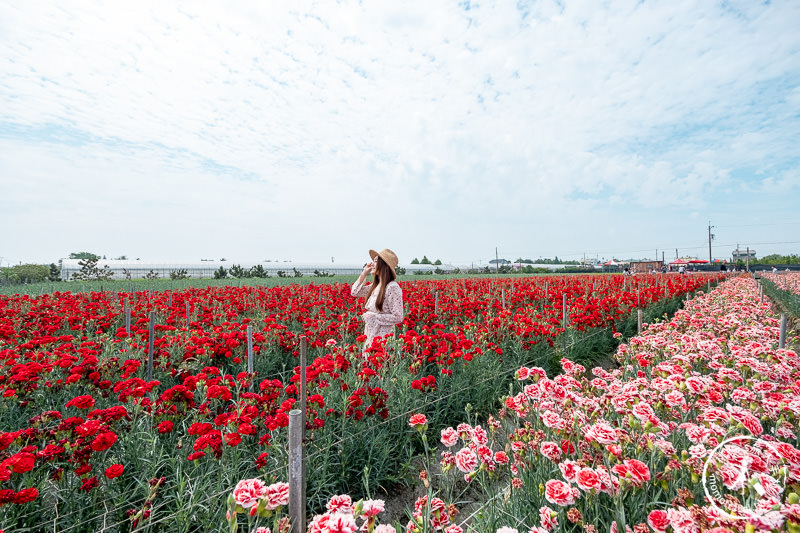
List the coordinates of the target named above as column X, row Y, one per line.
column 297, row 482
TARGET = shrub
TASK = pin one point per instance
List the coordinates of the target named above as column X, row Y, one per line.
column 179, row 274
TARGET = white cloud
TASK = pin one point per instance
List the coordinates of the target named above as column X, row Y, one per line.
column 456, row 125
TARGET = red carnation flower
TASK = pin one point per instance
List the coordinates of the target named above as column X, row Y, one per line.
column 81, row 402
column 114, row 471
column 104, row 441
column 20, row 462
column 26, row 495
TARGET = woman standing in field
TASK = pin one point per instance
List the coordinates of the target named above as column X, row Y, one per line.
column 384, row 306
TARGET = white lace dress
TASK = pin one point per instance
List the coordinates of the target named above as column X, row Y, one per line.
column 380, row 323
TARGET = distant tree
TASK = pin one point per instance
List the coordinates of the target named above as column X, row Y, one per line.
column 151, row 275
column 221, row 273
column 91, row 272
column 297, row 273
column 400, row 271
column 258, row 271
column 55, row 273
column 121, row 258
column 237, row 271
column 178, row 274
column 29, row 273
column 415, row 261
column 223, row 259
column 84, row 255
column 437, row 262
column 425, row 260
column 281, row 274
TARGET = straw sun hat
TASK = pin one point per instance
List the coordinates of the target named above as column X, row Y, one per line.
column 388, row 257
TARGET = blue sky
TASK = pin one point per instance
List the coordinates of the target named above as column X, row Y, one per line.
column 310, row 130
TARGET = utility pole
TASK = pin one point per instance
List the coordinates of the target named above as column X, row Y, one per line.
column 747, row 260
column 710, row 237
column 496, row 261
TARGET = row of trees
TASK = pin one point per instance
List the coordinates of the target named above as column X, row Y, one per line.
column 775, row 259
column 425, row 261
column 546, row 261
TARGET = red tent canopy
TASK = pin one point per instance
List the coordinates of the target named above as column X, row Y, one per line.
column 697, row 261
column 678, row 262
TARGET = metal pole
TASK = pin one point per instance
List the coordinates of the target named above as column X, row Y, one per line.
column 127, row 317
column 503, row 294
column 639, row 321
column 709, row 241
column 297, row 484
column 151, row 338
column 250, row 355
column 782, row 341
column 187, row 315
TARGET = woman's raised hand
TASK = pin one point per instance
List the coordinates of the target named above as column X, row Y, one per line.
column 369, row 268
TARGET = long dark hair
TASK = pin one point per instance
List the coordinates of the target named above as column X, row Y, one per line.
column 383, row 276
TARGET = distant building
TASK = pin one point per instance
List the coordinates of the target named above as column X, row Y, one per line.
column 645, row 267
column 743, row 255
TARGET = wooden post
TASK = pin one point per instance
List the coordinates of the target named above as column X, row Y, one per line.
column 503, row 294
column 250, row 355
column 297, row 482
column 169, row 299
column 127, row 317
column 782, row 338
column 187, row 315
column 639, row 321
column 150, row 346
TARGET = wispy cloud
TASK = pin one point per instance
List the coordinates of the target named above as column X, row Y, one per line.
column 440, row 128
